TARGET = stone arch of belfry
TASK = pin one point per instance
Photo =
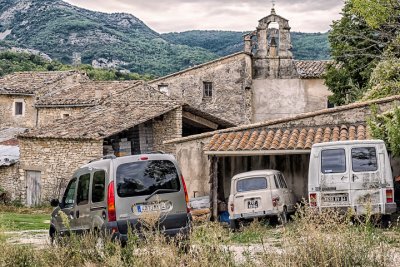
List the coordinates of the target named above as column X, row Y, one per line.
column 272, row 57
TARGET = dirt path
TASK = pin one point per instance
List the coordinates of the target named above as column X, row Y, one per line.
column 37, row 238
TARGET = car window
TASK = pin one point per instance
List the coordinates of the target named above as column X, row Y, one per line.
column 82, row 196
column 69, row 195
column 251, row 184
column 364, row 159
column 282, row 181
column 98, row 186
column 144, row 177
column 333, row 161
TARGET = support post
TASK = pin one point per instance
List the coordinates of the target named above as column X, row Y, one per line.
column 214, row 188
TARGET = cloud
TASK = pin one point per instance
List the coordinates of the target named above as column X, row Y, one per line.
column 235, row 15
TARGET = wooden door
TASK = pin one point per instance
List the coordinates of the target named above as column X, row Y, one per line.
column 33, row 188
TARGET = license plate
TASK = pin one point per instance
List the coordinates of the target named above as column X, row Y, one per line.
column 252, row 204
column 141, row 208
column 336, row 198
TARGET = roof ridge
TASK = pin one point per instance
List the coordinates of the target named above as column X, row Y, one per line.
column 287, row 119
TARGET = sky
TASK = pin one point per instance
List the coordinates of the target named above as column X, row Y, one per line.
column 234, row 15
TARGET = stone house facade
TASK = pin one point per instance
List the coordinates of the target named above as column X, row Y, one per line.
column 20, row 91
column 282, row 144
column 130, row 120
column 261, row 83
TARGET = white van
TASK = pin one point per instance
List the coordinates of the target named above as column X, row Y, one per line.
column 351, row 174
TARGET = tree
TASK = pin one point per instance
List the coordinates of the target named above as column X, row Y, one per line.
column 357, row 48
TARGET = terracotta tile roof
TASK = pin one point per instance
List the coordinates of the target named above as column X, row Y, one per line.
column 87, row 93
column 284, row 139
column 122, row 111
column 28, row 83
column 311, row 69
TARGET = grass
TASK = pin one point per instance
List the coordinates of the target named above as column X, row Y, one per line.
column 22, row 222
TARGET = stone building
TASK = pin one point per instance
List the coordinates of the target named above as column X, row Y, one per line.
column 131, row 120
column 19, row 92
column 261, row 83
column 282, row 144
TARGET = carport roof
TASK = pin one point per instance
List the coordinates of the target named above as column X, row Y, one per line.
column 275, row 141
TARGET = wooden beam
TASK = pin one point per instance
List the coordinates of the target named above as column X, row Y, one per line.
column 199, row 120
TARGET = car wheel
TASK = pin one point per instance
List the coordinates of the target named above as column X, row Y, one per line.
column 385, row 221
column 234, row 225
column 284, row 216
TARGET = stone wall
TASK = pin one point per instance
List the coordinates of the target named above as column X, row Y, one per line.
column 7, row 112
column 281, row 98
column 167, row 127
column 56, row 159
column 231, row 78
column 47, row 116
column 9, row 180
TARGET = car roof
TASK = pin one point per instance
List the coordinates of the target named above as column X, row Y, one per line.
column 354, row 142
column 255, row 173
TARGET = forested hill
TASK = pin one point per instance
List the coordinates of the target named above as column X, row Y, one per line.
column 306, row 46
column 120, row 40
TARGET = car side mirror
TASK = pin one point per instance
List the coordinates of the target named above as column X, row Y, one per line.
column 54, row 202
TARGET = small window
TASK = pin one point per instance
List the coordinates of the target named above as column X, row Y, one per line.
column 251, row 184
column 277, row 184
column 82, row 196
column 19, row 108
column 65, row 115
column 69, row 195
column 163, row 88
column 282, row 181
column 333, row 161
column 207, row 89
column 98, row 187
column 364, row 159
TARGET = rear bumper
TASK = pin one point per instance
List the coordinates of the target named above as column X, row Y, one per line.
column 172, row 225
column 387, row 208
column 265, row 213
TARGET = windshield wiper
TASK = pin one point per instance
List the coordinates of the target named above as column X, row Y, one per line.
column 161, row 191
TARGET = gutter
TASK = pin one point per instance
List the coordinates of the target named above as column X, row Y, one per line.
column 257, row 153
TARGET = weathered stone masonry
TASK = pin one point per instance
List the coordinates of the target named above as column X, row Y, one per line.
column 9, row 180
column 167, row 127
column 56, row 159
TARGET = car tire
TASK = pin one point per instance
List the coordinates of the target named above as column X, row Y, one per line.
column 385, row 221
column 234, row 225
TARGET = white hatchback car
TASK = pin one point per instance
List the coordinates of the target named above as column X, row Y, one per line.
column 259, row 194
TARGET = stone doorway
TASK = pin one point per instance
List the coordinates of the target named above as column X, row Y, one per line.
column 33, row 188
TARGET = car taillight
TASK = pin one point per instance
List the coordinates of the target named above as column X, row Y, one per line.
column 313, row 199
column 232, row 207
column 112, row 216
column 389, row 196
column 186, row 195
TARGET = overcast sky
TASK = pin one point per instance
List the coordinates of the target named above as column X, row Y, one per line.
column 236, row 15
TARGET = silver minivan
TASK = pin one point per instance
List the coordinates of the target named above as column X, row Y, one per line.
column 113, row 195
column 352, row 174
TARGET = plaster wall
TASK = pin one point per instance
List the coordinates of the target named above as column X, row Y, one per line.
column 280, row 98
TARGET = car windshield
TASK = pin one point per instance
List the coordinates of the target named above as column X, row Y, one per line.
column 144, row 177
column 251, row 184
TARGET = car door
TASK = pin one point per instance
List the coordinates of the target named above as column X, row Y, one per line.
column 287, row 194
column 97, row 199
column 82, row 207
column 66, row 222
column 366, row 177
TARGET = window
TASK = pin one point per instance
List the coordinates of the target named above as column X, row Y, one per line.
column 251, row 184
column 207, row 89
column 98, row 187
column 333, row 161
column 144, row 177
column 82, row 196
column 69, row 195
column 282, row 181
column 19, row 108
column 364, row 159
column 65, row 115
column 163, row 88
